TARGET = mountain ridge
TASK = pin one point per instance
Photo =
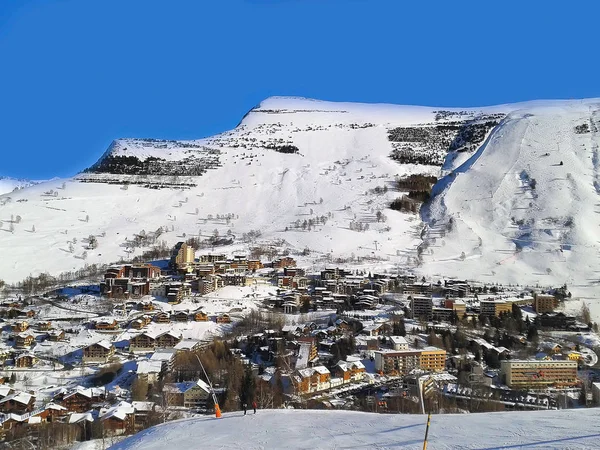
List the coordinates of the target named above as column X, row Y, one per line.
column 292, row 161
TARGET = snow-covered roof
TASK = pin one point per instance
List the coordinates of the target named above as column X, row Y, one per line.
column 104, row 343
column 143, row 406
column 80, row 417
column 119, row 411
column 187, row 344
column 163, row 354
column 20, row 397
column 186, row 386
column 150, row 366
column 398, row 340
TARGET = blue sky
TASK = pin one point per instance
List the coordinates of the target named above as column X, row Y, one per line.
column 76, row 74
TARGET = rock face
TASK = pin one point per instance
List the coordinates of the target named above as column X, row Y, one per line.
column 508, row 192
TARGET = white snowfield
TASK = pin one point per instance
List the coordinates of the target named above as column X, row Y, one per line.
column 511, row 194
column 311, row 430
column 8, row 184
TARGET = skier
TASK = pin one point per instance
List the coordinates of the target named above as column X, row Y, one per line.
column 254, row 406
column 245, row 408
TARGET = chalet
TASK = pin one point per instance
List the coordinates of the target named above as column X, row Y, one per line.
column 51, row 412
column 99, row 352
column 147, row 307
column 189, row 394
column 168, row 339
column 180, row 316
column 223, row 318
column 144, row 342
column 343, row 326
column 25, row 360
column 200, row 316
column 142, row 414
column 137, row 324
column 17, row 403
column 106, row 324
column 350, row 371
column 44, row 325
column 311, row 380
column 162, row 317
column 118, row 419
column 56, row 335
column 83, row 421
column 23, row 340
column 81, row 399
column 20, row 326
column 373, row 330
column 5, row 391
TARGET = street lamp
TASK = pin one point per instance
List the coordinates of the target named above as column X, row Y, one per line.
column 212, row 391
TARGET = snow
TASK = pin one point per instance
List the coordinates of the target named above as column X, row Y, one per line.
column 343, row 155
column 8, row 185
column 305, row 429
column 495, row 209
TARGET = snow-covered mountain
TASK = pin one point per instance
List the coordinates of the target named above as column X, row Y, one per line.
column 8, row 184
column 305, row 429
column 516, row 199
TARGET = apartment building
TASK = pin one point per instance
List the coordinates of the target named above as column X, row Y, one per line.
column 521, row 373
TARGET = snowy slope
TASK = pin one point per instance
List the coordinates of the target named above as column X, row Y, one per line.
column 524, row 208
column 304, row 429
column 8, row 184
column 343, row 153
column 292, row 160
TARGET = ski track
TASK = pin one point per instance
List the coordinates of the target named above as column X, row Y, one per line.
column 306, row 429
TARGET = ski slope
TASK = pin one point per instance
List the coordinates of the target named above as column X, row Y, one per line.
column 305, row 429
column 484, row 211
column 525, row 207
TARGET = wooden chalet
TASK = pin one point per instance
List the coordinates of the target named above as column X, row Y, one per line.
column 168, row 340
column 148, row 307
column 162, row 317
column 56, row 335
column 144, row 342
column 200, row 316
column 119, row 419
column 45, row 325
column 137, row 324
column 99, row 352
column 20, row 326
column 25, row 360
column 180, row 316
column 81, row 399
column 23, row 340
column 106, row 325
column 17, row 403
